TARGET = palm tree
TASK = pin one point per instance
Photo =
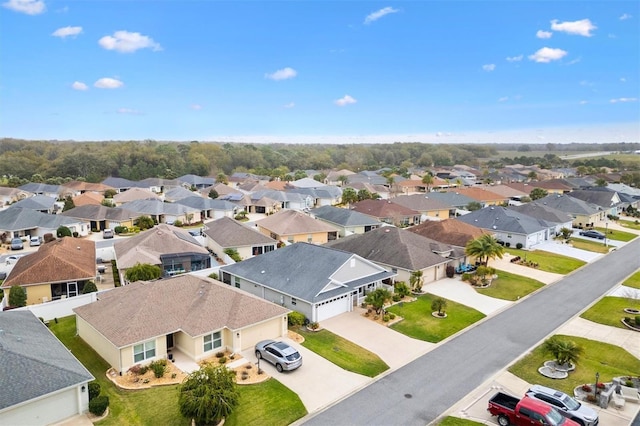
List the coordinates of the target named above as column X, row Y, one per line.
column 427, row 179
column 484, row 248
column 416, row 280
column 566, row 352
column 439, row 304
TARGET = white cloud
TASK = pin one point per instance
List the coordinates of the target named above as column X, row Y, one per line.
column 575, row 61
column 345, row 100
column 586, row 83
column 78, row 85
column 544, row 34
column 584, row 102
column 582, row 27
column 108, row 83
column 283, row 74
column 489, row 67
column 67, row 32
column 289, row 105
column 127, row 42
column 374, row 16
column 623, row 80
column 614, row 101
column 128, row 111
column 196, row 107
column 515, row 58
column 625, row 16
column 548, row 54
column 503, row 99
column 30, row 7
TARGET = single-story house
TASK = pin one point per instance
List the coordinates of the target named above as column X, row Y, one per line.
column 403, row 252
column 482, row 195
column 162, row 212
column 99, row 217
column 585, row 215
column 449, row 231
column 178, row 193
column 195, row 181
column 59, row 269
column 336, row 177
column 52, row 191
column 388, row 212
column 195, row 316
column 226, row 233
column 510, row 226
column 171, row 248
column 209, row 208
column 39, row 203
column 42, row 382
column 88, row 198
column 430, row 208
column 11, row 195
column 347, row 221
column 77, row 187
column 134, row 194
column 610, row 201
column 290, row 226
column 318, row 281
column 323, row 196
column 540, row 211
column 16, row 222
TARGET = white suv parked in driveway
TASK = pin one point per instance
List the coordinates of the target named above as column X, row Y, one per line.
column 567, row 406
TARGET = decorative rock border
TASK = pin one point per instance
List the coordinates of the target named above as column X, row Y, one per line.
column 554, row 365
column 629, row 326
column 552, row 373
column 435, row 315
column 632, row 311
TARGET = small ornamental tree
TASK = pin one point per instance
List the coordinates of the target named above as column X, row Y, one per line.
column 439, row 304
column 378, row 298
column 68, row 204
column 63, row 231
column 143, row 272
column 145, row 222
column 208, row 395
column 89, row 287
column 213, row 194
column 537, row 193
column 17, row 296
column 416, row 280
column 564, row 351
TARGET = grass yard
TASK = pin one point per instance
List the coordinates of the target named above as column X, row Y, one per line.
column 456, row 421
column 420, row 324
column 614, row 234
column 633, row 281
column 631, row 224
column 510, row 286
column 342, row 352
column 588, row 245
column 159, row 405
column 268, row 403
column 608, row 360
column 549, row 262
column 609, row 311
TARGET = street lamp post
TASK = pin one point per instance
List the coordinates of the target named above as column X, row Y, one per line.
column 606, row 231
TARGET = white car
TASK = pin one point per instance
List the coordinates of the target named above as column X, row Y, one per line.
column 13, row 258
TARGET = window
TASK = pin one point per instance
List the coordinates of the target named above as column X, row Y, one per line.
column 268, row 249
column 237, row 281
column 294, row 301
column 212, row 341
column 309, row 238
column 144, row 351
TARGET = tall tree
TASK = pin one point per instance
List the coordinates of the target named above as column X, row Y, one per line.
column 17, row 296
column 484, row 248
column 427, row 179
column 208, row 395
column 537, row 193
column 349, row 196
column 143, row 272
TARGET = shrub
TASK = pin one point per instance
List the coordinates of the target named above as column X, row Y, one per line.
column 158, row 367
column 396, row 298
column 386, row 318
column 94, row 390
column 628, row 383
column 586, row 388
column 222, row 360
column 98, row 405
column 591, row 397
column 63, row 231
column 450, row 271
column 136, row 369
column 144, row 369
column 296, row 318
column 402, row 289
column 116, row 274
column 248, row 366
column 392, row 316
column 519, row 246
column 466, row 276
column 233, row 254
column 177, row 223
column 89, row 287
column 17, row 296
column 637, row 320
column 214, row 276
column 219, row 354
column 120, row 229
column 600, row 385
column 314, row 325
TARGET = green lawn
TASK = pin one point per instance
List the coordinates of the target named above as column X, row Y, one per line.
column 420, row 324
column 456, row 421
column 633, row 280
column 342, row 352
column 614, row 234
column 159, row 405
column 630, row 224
column 610, row 310
column 269, row 403
column 608, row 360
column 510, row 286
column 549, row 262
column 588, row 245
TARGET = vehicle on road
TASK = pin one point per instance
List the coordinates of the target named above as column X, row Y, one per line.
column 280, row 354
column 13, row 258
column 107, row 233
column 592, row 234
column 17, row 244
column 35, row 241
column 524, row 412
column 566, row 405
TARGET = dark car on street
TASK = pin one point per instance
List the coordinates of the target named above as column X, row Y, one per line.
column 592, row 234
column 280, row 354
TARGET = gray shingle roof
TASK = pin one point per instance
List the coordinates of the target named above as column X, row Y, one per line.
column 95, row 212
column 302, row 270
column 118, row 182
column 344, row 217
column 38, row 188
column 34, row 362
column 197, row 180
column 195, row 305
column 202, row 203
column 157, row 207
column 452, row 199
column 178, row 193
column 502, row 219
column 16, row 219
column 228, row 233
column 603, row 198
column 543, row 212
column 397, row 248
column 38, row 202
column 568, row 204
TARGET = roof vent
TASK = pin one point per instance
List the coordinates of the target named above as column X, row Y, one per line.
column 262, row 272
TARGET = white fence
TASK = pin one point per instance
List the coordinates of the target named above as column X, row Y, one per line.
column 60, row 308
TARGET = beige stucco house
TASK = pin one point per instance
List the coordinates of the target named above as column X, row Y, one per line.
column 292, row 226
column 196, row 316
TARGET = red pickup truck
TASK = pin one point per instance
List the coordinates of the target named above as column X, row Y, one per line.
column 525, row 412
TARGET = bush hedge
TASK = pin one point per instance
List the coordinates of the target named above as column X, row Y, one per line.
column 98, row 405
column 94, row 390
column 296, row 318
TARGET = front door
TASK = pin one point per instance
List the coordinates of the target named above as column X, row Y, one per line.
column 72, row 289
column 169, row 341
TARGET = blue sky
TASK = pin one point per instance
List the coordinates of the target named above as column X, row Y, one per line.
column 321, row 71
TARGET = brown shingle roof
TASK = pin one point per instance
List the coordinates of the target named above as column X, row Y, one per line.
column 480, row 194
column 450, row 231
column 291, row 222
column 420, row 202
column 230, row 233
column 135, row 194
column 88, row 198
column 195, row 305
column 66, row 259
column 148, row 246
column 383, row 208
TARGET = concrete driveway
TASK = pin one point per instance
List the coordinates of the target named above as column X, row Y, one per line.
column 458, row 291
column 392, row 347
column 318, row 382
column 567, row 250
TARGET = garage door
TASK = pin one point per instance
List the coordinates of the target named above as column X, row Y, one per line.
column 332, row 307
column 268, row 330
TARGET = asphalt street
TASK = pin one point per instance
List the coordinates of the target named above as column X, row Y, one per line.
column 422, row 390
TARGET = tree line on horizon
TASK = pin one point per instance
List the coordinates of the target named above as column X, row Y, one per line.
column 52, row 161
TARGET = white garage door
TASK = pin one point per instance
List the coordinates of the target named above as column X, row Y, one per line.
column 332, row 307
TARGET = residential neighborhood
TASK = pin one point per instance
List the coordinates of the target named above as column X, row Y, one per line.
column 189, row 280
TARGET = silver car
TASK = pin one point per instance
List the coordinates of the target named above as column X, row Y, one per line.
column 280, row 354
column 566, row 405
